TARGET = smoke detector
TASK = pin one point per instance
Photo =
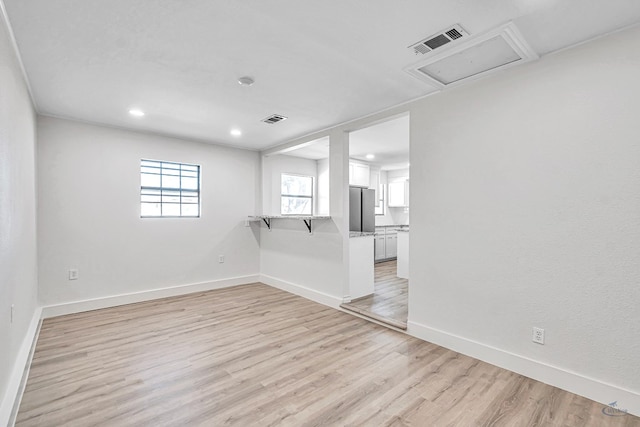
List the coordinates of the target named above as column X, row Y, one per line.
column 245, row 81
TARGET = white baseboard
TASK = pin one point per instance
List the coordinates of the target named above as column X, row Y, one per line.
column 596, row 390
column 313, row 295
column 122, row 299
column 573, row 382
column 21, row 366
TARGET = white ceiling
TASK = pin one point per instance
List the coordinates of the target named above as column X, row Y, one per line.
column 318, row 63
column 314, row 150
column 387, row 141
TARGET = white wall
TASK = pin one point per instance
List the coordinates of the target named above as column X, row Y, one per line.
column 527, row 215
column 89, row 214
column 313, row 265
column 272, row 169
column 525, row 205
column 525, row 199
column 18, row 266
column 324, row 188
column 294, row 260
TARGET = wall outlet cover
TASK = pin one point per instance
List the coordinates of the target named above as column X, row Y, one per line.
column 538, row 335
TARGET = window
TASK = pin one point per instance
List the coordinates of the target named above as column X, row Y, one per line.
column 296, row 195
column 169, row 189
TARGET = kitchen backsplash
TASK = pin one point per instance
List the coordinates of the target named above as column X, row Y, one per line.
column 393, row 216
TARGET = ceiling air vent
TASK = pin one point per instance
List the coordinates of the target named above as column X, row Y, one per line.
column 439, row 39
column 473, row 57
column 453, row 34
column 274, row 118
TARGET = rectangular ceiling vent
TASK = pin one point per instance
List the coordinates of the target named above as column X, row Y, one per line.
column 474, row 57
column 274, row 118
column 439, row 39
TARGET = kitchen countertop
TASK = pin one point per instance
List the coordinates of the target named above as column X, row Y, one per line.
column 398, row 226
column 360, row 233
column 307, row 217
column 403, row 230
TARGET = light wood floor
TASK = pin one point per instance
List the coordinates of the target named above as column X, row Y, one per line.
column 256, row 356
column 389, row 302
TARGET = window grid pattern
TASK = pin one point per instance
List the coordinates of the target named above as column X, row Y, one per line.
column 169, row 189
column 296, row 195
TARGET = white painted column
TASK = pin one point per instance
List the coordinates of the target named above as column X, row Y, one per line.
column 339, row 195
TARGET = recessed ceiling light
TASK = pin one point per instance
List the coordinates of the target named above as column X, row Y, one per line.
column 236, row 132
column 246, row 81
column 370, row 156
column 137, row 113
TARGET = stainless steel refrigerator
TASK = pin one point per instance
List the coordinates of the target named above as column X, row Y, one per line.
column 361, row 209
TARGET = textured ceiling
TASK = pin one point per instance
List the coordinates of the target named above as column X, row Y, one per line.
column 318, row 63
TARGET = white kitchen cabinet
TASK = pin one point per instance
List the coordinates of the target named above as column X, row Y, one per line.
column 379, row 252
column 374, row 184
column 399, row 194
column 379, row 208
column 391, row 244
column 386, row 243
column 358, row 175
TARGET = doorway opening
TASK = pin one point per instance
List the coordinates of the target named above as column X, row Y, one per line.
column 389, row 301
column 379, row 254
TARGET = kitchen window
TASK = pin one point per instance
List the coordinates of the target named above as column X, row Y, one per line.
column 169, row 189
column 296, row 194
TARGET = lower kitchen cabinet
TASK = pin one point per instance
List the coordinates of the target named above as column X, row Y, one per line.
column 386, row 243
column 379, row 252
column 391, row 244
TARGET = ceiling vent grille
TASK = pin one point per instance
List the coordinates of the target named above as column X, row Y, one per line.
column 274, row 118
column 434, row 41
column 453, row 34
column 473, row 57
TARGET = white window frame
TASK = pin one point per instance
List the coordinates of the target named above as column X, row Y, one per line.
column 311, row 198
column 165, row 195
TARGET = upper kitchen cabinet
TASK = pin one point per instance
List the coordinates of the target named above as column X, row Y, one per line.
column 374, row 184
column 399, row 194
column 358, row 175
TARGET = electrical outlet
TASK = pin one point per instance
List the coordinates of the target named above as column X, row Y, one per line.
column 221, row 259
column 12, row 310
column 73, row 274
column 538, row 335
